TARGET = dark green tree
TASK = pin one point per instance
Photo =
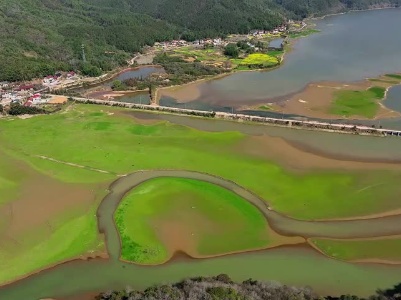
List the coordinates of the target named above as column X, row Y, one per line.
column 231, row 50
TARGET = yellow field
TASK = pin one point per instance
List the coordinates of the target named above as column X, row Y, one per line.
column 259, row 59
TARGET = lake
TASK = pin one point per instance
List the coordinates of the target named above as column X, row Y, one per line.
column 141, row 72
column 350, row 47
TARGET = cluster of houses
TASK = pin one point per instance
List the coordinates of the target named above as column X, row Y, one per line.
column 218, row 42
column 35, row 99
column 214, row 42
column 21, row 94
column 30, row 94
column 53, row 80
column 181, row 43
column 14, row 93
column 260, row 33
column 171, row 44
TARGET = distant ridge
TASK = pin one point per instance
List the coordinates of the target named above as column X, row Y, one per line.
column 40, row 36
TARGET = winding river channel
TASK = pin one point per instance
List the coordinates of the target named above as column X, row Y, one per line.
column 284, row 263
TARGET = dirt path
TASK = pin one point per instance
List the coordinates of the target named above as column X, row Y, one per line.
column 74, row 165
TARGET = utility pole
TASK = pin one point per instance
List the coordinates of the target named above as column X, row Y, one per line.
column 83, row 53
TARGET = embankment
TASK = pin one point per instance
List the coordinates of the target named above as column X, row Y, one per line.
column 290, row 123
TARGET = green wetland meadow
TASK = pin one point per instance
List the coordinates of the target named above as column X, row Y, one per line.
column 358, row 103
column 216, row 220
column 84, row 148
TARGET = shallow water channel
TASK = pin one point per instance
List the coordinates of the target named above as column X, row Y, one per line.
column 291, row 265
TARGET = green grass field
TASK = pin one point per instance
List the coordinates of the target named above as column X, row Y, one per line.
column 396, row 76
column 265, row 107
column 383, row 249
column 64, row 236
column 200, row 54
column 124, row 146
column 213, row 220
column 303, row 33
column 71, row 236
column 384, row 80
column 357, row 103
column 10, row 180
column 276, row 53
column 99, row 137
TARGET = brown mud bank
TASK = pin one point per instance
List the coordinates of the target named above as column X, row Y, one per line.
column 111, row 95
column 316, row 98
column 281, row 224
column 299, row 157
column 186, row 92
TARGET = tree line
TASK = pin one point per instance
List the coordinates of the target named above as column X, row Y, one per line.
column 39, row 37
column 222, row 287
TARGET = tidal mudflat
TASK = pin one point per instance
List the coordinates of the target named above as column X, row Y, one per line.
column 92, row 146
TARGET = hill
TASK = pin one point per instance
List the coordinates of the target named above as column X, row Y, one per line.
column 41, row 36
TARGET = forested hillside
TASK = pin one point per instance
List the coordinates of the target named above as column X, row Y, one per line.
column 40, row 36
column 221, row 287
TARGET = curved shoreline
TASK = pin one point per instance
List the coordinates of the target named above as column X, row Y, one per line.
column 102, row 255
column 118, row 189
column 281, row 224
column 358, row 261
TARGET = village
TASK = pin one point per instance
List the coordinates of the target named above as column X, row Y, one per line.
column 33, row 93
column 220, row 42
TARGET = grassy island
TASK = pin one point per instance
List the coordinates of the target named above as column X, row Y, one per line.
column 358, row 103
column 164, row 215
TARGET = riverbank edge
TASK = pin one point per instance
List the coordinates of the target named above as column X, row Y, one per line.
column 301, row 239
column 105, row 255
column 353, row 11
column 329, row 116
column 113, row 74
column 259, row 203
column 357, row 261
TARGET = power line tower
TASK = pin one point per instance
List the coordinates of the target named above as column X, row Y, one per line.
column 83, row 53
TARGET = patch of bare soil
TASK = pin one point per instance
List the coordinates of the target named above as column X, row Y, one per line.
column 315, row 100
column 294, row 158
column 183, row 230
column 42, row 201
column 107, row 94
column 182, row 94
column 58, row 100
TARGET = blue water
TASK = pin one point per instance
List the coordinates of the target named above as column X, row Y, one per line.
column 393, row 99
column 276, row 43
column 141, row 72
column 350, row 47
